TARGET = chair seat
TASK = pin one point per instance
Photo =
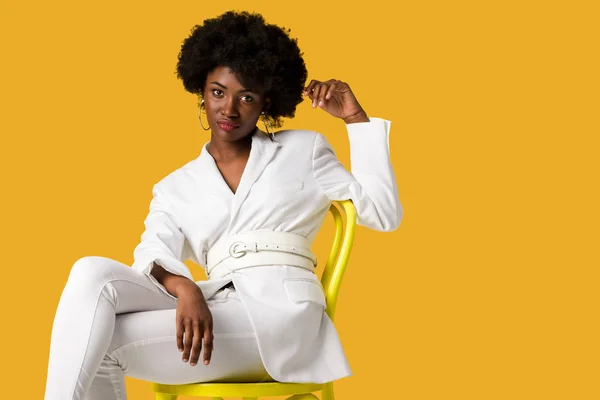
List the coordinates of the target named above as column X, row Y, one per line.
column 237, row 389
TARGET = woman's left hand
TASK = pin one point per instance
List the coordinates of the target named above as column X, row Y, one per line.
column 337, row 99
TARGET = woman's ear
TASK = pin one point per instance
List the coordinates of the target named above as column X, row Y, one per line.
column 267, row 105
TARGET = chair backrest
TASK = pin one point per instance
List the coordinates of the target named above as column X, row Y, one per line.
column 340, row 252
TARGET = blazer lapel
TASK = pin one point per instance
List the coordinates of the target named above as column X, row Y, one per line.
column 210, row 175
column 262, row 152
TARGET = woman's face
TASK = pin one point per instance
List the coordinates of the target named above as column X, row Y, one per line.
column 231, row 108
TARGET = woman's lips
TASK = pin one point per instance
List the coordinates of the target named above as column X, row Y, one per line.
column 226, row 127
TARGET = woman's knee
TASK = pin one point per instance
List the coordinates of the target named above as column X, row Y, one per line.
column 94, row 270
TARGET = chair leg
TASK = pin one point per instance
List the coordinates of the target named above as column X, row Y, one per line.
column 327, row 392
column 164, row 396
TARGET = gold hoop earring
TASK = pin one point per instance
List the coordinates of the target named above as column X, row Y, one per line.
column 200, row 115
column 268, row 126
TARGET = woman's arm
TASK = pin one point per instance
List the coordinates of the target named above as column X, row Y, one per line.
column 372, row 184
column 193, row 318
column 175, row 284
column 160, row 255
column 162, row 242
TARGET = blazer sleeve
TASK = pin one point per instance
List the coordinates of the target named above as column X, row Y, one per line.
column 162, row 242
column 372, row 183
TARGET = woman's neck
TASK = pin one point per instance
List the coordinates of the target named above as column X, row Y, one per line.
column 223, row 151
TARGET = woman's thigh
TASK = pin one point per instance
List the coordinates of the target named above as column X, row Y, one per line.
column 144, row 346
column 126, row 289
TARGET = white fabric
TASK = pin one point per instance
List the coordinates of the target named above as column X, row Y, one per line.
column 287, row 186
column 113, row 321
column 258, row 248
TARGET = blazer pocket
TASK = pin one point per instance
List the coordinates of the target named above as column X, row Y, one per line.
column 300, row 290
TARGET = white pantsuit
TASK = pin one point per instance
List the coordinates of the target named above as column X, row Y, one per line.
column 120, row 321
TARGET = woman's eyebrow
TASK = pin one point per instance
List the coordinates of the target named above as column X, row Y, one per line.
column 241, row 91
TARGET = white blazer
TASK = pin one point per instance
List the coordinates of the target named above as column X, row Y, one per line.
column 288, row 185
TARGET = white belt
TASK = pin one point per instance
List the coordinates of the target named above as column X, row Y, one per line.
column 256, row 248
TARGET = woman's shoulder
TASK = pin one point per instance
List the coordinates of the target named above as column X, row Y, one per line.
column 296, row 136
column 180, row 176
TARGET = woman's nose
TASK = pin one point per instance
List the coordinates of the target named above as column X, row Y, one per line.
column 229, row 108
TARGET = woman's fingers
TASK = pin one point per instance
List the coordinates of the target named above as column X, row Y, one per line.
column 196, row 344
column 208, row 343
column 188, row 336
column 330, row 90
column 193, row 318
column 180, row 330
column 310, row 87
column 319, row 92
column 312, row 91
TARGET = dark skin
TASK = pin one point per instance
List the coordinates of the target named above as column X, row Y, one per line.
column 233, row 110
column 228, row 101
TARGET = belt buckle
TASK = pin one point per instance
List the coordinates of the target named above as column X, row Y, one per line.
column 232, row 250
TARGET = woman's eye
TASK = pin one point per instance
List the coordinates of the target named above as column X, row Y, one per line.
column 247, row 99
column 217, row 92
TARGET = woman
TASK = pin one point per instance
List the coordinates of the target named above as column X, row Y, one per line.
column 247, row 210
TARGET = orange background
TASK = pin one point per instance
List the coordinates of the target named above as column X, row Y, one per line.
column 488, row 290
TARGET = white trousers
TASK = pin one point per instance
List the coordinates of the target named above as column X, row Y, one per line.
column 112, row 321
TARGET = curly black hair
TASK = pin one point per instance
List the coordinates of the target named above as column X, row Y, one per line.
column 260, row 53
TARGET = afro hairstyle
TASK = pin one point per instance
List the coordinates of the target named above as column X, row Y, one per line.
column 258, row 52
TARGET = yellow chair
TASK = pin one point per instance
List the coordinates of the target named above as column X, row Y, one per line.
column 331, row 279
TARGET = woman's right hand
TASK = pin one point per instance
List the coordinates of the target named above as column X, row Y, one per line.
column 194, row 323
